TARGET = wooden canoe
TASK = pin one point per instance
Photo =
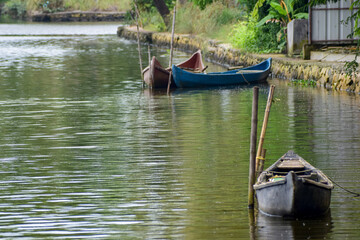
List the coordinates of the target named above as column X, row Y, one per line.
column 249, row 75
column 292, row 187
column 156, row 76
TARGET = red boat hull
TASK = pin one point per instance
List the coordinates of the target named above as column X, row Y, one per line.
column 156, row 76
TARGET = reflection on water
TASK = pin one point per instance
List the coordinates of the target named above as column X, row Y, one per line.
column 87, row 153
column 273, row 228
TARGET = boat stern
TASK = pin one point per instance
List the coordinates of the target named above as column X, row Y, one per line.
column 276, row 196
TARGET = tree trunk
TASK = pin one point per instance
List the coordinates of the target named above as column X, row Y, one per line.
column 163, row 10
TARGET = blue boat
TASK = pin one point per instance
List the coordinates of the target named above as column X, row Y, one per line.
column 249, row 75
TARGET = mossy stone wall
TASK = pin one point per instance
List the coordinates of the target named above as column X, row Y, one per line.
column 78, row 16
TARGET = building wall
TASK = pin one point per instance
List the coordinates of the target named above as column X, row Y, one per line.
column 327, row 23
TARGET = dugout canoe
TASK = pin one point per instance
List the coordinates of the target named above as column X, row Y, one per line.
column 156, row 76
column 249, row 75
column 293, row 187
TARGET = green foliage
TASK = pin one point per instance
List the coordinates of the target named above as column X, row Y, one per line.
column 351, row 67
column 227, row 15
column 248, row 37
column 209, row 22
column 282, row 12
column 153, row 21
column 15, row 8
column 83, row 5
column 51, row 5
column 304, row 83
column 302, row 5
column 148, row 5
column 257, row 6
column 317, row 2
column 247, row 4
column 93, row 5
column 243, row 36
column 202, row 3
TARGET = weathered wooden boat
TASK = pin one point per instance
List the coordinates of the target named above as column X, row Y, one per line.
column 292, row 187
column 156, row 76
column 249, row 75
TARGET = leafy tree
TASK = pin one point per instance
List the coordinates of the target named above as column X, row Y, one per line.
column 162, row 6
column 163, row 10
column 282, row 12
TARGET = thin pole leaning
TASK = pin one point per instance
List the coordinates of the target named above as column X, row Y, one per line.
column 137, row 15
column 253, row 139
column 264, row 126
column 171, row 47
column 150, row 67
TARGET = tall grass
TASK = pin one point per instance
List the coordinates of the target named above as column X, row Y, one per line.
column 109, row 5
column 214, row 21
column 83, row 5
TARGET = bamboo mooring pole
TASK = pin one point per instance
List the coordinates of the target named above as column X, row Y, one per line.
column 150, row 71
column 253, row 139
column 261, row 162
column 137, row 15
column 263, row 130
column 171, row 48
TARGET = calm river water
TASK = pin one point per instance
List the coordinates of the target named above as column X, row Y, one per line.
column 86, row 152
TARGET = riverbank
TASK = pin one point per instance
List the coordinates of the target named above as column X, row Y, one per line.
column 78, row 16
column 326, row 74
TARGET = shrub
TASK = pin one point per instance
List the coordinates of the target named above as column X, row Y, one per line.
column 243, row 36
column 15, row 8
column 246, row 36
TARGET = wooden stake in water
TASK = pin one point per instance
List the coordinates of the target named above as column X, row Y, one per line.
column 253, row 139
column 151, row 72
column 137, row 15
column 264, row 126
column 171, row 48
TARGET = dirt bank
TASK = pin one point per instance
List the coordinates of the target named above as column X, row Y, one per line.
column 326, row 74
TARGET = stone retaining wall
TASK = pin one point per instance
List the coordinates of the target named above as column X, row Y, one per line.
column 326, row 74
column 78, row 16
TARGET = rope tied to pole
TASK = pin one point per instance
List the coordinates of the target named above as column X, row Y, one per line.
column 343, row 188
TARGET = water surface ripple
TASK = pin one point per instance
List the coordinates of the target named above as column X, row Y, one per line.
column 86, row 152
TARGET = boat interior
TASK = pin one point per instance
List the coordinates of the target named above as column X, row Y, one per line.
column 284, row 166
